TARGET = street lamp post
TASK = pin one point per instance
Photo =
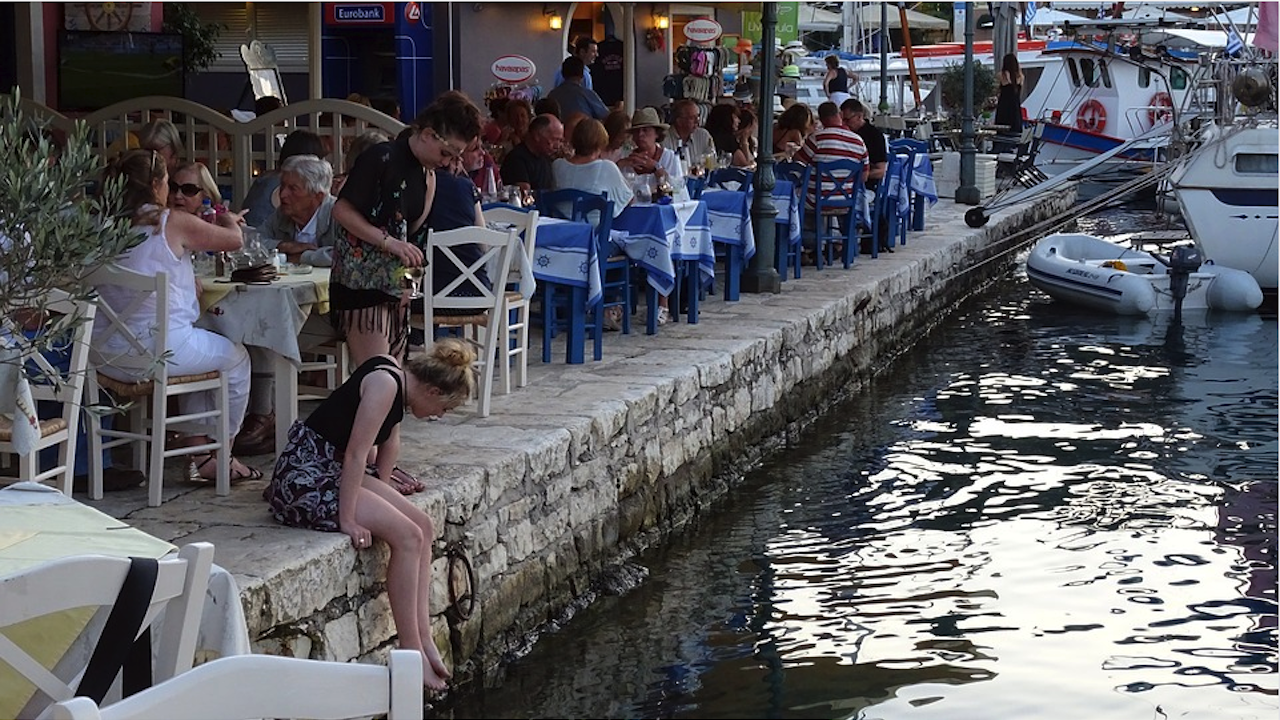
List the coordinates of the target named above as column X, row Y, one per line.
column 967, row 193
column 761, row 275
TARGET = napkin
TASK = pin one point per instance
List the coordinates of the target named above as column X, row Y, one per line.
column 15, row 399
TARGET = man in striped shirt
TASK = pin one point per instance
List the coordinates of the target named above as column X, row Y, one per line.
column 833, row 141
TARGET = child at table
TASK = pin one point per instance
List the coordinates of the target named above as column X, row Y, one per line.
column 321, row 481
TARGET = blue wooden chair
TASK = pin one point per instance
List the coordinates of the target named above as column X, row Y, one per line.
column 911, row 147
column 731, row 178
column 887, row 224
column 838, row 201
column 785, row 253
column 694, row 186
column 615, row 270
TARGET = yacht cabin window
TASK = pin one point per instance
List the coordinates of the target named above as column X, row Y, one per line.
column 1257, row 164
column 1178, row 79
column 1075, row 74
column 1144, row 77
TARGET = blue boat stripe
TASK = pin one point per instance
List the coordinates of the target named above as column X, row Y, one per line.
column 1105, row 293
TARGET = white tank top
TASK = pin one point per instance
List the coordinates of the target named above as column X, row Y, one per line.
column 153, row 255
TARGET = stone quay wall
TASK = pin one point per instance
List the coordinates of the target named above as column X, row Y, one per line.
column 551, row 495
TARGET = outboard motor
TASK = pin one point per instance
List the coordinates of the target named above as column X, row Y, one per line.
column 1184, row 260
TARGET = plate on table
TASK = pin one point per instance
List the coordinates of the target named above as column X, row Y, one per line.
column 298, row 269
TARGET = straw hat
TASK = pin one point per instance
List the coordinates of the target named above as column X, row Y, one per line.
column 791, row 71
column 647, row 117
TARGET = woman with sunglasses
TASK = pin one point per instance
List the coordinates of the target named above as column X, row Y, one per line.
column 189, row 185
column 383, row 210
column 169, row 239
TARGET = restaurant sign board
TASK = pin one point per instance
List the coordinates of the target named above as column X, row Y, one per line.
column 513, row 69
column 702, row 30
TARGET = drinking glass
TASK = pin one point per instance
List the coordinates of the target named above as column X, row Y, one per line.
column 643, row 192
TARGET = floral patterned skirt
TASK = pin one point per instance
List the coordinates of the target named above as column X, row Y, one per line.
column 304, row 486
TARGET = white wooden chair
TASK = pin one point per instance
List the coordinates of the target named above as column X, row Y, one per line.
column 515, row 315
column 241, row 687
column 69, row 322
column 482, row 311
column 130, row 291
column 95, row 581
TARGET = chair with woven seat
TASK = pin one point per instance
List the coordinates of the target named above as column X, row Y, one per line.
column 147, row 399
column 516, row 315
column 66, row 328
column 838, row 200
column 470, row 251
column 68, row 592
column 615, row 269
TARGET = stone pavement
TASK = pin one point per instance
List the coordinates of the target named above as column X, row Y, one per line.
column 589, row 462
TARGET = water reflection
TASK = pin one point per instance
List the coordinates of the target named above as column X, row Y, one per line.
column 1042, row 514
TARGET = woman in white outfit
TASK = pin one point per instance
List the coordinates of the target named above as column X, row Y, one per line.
column 170, row 239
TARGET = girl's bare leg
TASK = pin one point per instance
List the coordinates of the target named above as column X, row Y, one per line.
column 424, row 528
column 389, row 523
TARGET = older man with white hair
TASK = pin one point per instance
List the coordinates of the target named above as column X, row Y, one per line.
column 303, row 227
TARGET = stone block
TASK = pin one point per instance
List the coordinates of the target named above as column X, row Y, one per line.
column 341, row 638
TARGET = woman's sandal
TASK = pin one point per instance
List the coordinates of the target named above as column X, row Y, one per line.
column 193, row 471
column 406, row 483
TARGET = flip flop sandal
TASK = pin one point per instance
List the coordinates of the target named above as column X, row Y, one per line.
column 193, row 472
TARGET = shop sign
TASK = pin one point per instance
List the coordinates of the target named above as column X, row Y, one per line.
column 703, row 30
column 360, row 13
column 513, row 69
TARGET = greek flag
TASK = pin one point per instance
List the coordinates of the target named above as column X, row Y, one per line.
column 1029, row 15
column 1234, row 43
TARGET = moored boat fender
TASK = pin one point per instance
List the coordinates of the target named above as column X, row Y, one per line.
column 1231, row 290
column 1091, row 116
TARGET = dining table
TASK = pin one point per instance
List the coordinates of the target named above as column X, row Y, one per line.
column 272, row 315
column 38, row 525
column 566, row 258
column 671, row 241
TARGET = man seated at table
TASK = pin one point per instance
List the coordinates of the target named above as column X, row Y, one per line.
column 687, row 134
column 833, row 141
column 529, row 163
column 303, row 227
column 854, row 115
column 573, row 96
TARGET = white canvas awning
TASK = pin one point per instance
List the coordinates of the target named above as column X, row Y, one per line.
column 816, row 19
column 1048, row 17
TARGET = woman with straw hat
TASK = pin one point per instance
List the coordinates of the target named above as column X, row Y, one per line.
column 649, row 157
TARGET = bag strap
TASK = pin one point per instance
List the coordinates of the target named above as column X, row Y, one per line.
column 120, row 645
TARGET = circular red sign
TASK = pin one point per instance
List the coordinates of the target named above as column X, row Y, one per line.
column 703, row 30
column 412, row 12
column 513, row 68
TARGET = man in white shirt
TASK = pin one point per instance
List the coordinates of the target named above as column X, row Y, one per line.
column 303, row 227
column 686, row 133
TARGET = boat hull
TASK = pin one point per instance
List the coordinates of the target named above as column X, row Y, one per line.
column 1092, row 272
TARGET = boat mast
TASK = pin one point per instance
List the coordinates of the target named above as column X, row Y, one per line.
column 911, row 60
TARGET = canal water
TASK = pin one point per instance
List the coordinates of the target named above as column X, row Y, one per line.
column 1037, row 513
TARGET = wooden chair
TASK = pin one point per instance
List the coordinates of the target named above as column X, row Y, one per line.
column 912, row 148
column 241, row 687
column 838, row 196
column 615, row 270
column 515, row 316
column 67, row 327
column 885, row 212
column 786, row 253
column 148, row 421
column 94, row 581
column 469, row 314
column 731, row 178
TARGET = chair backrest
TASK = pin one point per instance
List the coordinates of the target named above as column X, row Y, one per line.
column 67, row 327
column 887, row 196
column 730, row 178
column 837, row 183
column 241, row 687
column 795, row 172
column 525, row 220
column 94, row 581
column 911, row 148
column 595, row 209
column 125, row 298
column 470, row 251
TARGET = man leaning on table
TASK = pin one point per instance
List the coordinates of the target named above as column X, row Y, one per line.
column 303, row 229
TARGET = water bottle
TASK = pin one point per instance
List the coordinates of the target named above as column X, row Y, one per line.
column 207, row 213
column 490, row 186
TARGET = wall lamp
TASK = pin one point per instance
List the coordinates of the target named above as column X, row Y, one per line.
column 661, row 21
column 554, row 21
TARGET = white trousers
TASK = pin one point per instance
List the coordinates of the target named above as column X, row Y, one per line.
column 194, row 351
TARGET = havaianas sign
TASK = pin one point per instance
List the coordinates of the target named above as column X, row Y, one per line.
column 513, row 69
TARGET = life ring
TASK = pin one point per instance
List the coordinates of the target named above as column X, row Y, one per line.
column 1161, row 108
column 1091, row 116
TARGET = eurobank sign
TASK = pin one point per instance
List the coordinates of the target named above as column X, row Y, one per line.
column 360, row 14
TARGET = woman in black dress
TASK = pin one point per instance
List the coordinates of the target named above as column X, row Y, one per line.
column 321, row 481
column 1009, row 102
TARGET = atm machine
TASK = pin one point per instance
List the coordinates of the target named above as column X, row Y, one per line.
column 380, row 50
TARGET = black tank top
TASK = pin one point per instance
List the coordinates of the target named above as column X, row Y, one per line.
column 839, row 83
column 336, row 415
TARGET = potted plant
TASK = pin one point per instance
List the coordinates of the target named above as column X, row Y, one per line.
column 951, row 84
